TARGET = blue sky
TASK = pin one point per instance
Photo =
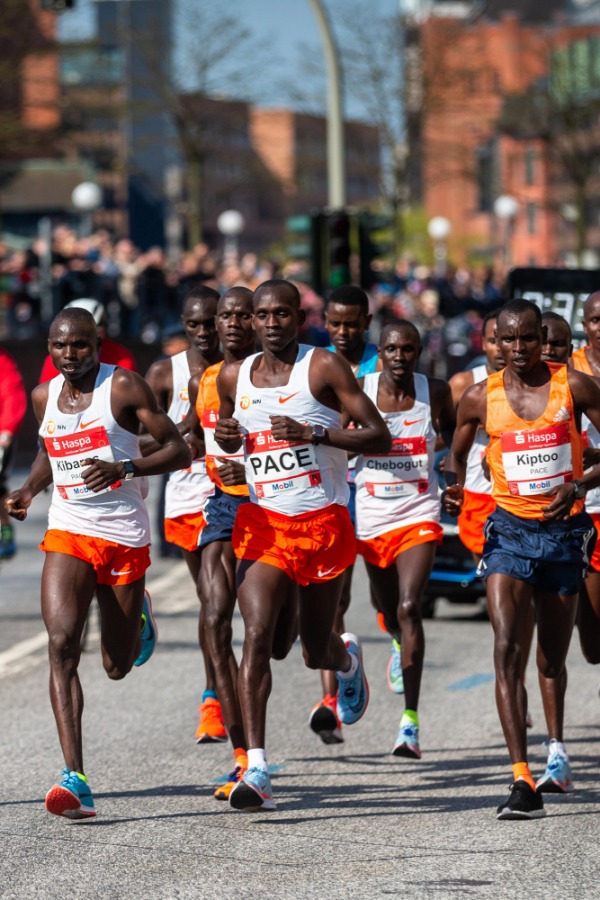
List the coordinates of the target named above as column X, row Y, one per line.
column 289, row 22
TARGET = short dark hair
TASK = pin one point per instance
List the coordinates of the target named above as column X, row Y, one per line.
column 349, row 295
column 515, row 307
column 201, row 292
column 396, row 326
column 276, row 283
column 552, row 316
column 489, row 317
column 238, row 290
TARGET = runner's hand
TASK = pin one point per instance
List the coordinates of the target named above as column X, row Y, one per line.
column 285, row 429
column 452, row 499
column 231, row 473
column 560, row 508
column 100, row 474
column 17, row 503
column 228, row 431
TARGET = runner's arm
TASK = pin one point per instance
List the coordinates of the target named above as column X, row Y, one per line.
column 470, row 416
column 228, row 433
column 40, row 477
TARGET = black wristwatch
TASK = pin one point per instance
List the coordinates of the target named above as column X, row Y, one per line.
column 128, row 469
column 318, row 433
column 580, row 489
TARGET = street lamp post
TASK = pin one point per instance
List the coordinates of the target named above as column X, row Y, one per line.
column 505, row 210
column 231, row 224
column 86, row 198
column 438, row 230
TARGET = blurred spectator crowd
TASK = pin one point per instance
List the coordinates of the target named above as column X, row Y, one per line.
column 142, row 292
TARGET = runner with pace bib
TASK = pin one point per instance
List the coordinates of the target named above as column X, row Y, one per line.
column 398, row 506
column 284, row 407
column 98, row 531
column 539, row 539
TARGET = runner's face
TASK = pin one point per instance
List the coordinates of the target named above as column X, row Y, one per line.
column 276, row 319
column 73, row 348
column 591, row 323
column 234, row 323
column 346, row 326
column 520, row 340
column 199, row 323
column 399, row 351
column 557, row 346
column 490, row 347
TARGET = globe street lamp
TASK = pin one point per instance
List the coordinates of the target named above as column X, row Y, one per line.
column 438, row 230
column 231, row 224
column 505, row 210
column 86, row 198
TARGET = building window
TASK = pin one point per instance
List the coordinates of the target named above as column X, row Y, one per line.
column 485, row 177
column 530, row 161
column 531, row 218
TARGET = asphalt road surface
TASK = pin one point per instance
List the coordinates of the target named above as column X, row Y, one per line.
column 352, row 820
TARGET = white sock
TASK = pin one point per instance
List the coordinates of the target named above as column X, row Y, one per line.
column 257, row 759
column 351, row 671
column 559, row 747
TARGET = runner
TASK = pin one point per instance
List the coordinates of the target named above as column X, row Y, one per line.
column 287, row 404
column 587, row 359
column 98, row 535
column 13, row 405
column 217, row 572
column 398, row 505
column 188, row 490
column 347, row 320
column 538, row 540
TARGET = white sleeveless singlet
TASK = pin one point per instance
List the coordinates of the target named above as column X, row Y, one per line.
column 117, row 514
column 399, row 488
column 188, row 489
column 289, row 478
column 592, row 498
column 475, row 480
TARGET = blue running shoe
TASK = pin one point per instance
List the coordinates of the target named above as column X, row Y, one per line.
column 353, row 693
column 72, row 798
column 557, row 777
column 149, row 632
column 253, row 792
column 407, row 740
column 395, row 679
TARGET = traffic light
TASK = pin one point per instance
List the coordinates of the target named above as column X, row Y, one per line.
column 304, row 248
column 338, row 248
column 376, row 241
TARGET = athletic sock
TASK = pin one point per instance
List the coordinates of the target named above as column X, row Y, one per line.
column 521, row 771
column 559, row 747
column 410, row 715
column 345, row 676
column 209, row 695
column 257, row 759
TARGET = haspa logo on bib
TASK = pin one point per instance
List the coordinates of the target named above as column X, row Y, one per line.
column 50, row 427
column 183, row 395
column 245, row 402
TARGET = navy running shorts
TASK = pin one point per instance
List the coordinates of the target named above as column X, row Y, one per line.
column 352, row 502
column 551, row 556
column 220, row 512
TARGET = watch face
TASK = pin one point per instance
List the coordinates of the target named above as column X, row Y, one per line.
column 318, row 431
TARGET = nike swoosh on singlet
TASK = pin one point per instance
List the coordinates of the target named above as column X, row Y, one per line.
column 116, row 574
column 425, row 531
column 412, row 421
column 289, row 397
column 91, row 422
column 322, row 573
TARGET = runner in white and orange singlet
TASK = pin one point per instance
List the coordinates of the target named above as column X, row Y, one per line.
column 398, row 505
column 538, row 541
column 98, row 531
column 284, row 407
column 187, row 491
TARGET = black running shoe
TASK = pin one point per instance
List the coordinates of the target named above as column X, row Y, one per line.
column 523, row 803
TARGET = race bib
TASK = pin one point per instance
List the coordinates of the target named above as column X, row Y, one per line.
column 67, row 453
column 400, row 473
column 537, row 461
column 277, row 467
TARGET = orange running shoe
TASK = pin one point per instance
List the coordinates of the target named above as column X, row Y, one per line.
column 224, row 790
column 324, row 720
column 211, row 729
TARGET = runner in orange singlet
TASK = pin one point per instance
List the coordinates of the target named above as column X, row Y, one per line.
column 538, row 539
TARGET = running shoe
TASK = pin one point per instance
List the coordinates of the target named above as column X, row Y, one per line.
column 211, row 729
column 324, row 720
column 224, row 790
column 395, row 679
column 523, row 803
column 353, row 693
column 557, row 777
column 149, row 632
column 72, row 798
column 407, row 740
column 253, row 792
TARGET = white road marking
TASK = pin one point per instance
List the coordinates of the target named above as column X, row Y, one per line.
column 22, row 655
